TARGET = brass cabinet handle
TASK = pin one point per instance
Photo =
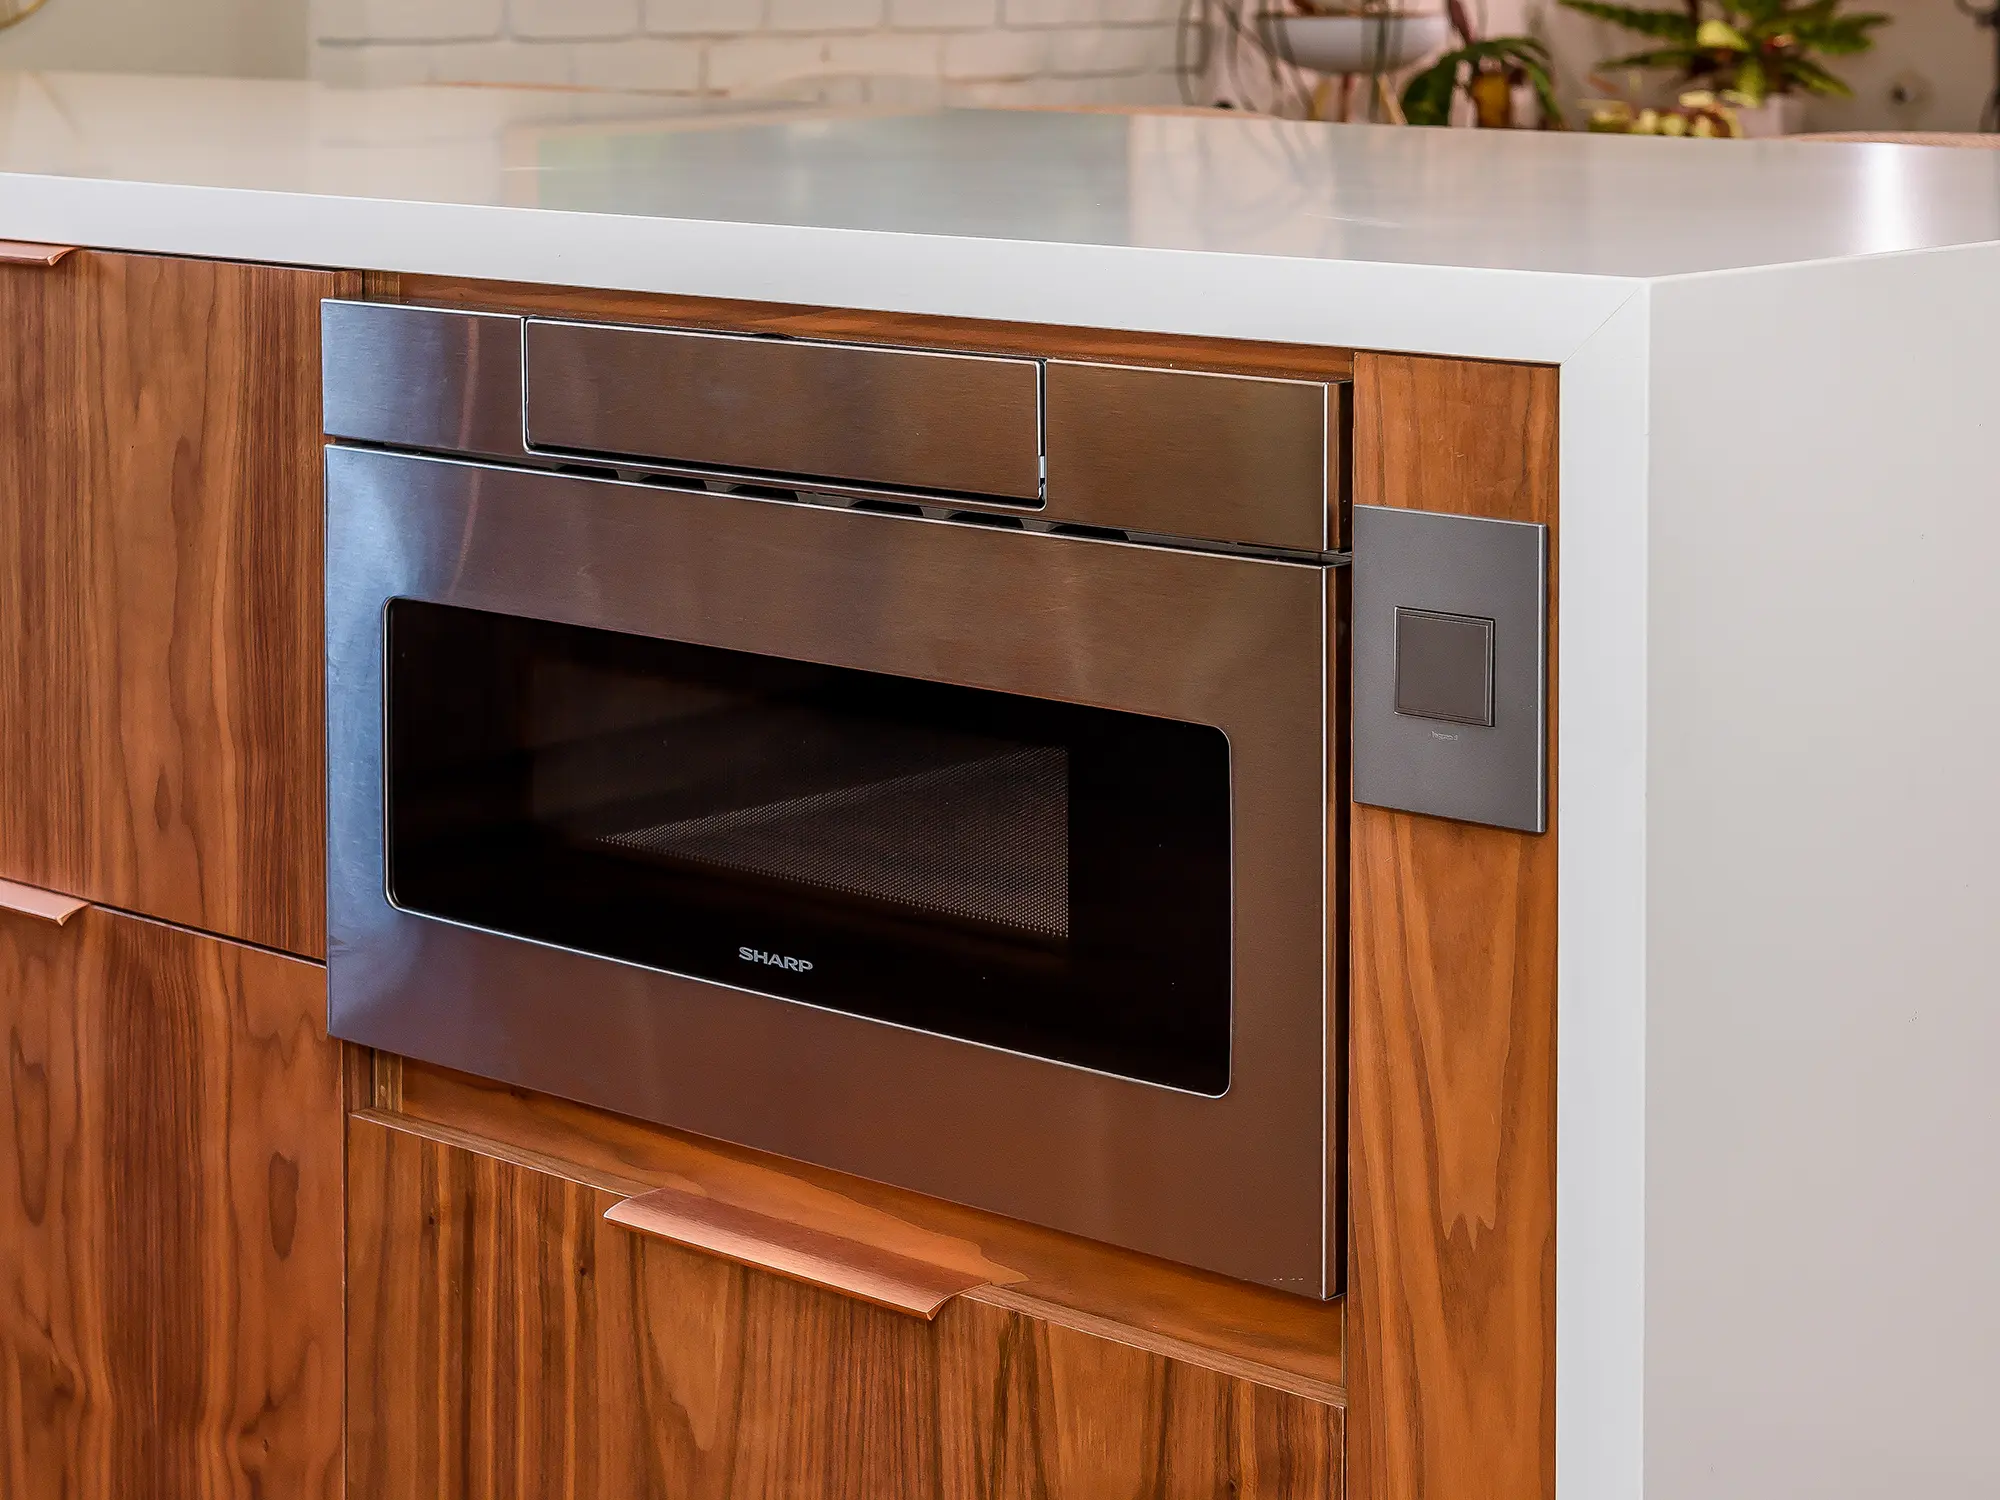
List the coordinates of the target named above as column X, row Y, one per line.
column 33, row 901
column 27, row 253
column 868, row 1273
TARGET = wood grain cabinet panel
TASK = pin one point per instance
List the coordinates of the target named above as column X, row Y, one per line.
column 170, row 1217
column 1451, row 1275
column 504, row 1340
column 160, row 590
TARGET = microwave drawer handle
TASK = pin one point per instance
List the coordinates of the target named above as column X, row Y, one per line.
column 867, row 1273
column 33, row 901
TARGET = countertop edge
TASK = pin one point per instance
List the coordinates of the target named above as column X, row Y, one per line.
column 1463, row 312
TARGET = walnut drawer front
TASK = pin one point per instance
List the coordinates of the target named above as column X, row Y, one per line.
column 161, row 703
column 505, row 1339
column 170, row 1185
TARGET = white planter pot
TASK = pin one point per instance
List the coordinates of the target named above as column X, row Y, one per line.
column 1354, row 44
column 1779, row 114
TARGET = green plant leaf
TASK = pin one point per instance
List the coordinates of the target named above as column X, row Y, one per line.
column 1663, row 57
column 1751, row 82
column 1508, row 49
column 1814, row 79
column 1427, row 97
column 1821, row 27
column 1720, row 36
column 1673, row 25
column 1545, row 91
column 1793, row 18
column 1843, row 36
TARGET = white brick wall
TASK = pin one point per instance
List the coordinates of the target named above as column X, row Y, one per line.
column 964, row 51
column 543, row 20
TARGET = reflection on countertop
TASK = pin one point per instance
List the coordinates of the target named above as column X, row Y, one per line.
column 1564, row 204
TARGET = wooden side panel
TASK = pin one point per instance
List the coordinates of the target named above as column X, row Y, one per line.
column 1451, row 1281
column 504, row 1340
column 160, row 590
column 170, row 1219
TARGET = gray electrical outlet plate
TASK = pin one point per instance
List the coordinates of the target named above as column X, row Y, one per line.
column 1433, row 595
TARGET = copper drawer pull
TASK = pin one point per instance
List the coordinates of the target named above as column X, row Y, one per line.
column 33, row 901
column 868, row 1273
column 27, row 253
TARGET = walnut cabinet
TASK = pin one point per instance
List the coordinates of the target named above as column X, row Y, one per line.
column 239, row 1260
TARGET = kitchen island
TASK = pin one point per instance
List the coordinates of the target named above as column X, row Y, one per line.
column 1659, row 1126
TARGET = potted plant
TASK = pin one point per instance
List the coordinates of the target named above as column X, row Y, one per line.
column 1488, row 71
column 1350, row 39
column 1761, row 55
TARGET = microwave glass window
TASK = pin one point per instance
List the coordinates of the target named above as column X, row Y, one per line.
column 1045, row 877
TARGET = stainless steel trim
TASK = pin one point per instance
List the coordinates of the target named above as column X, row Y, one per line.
column 1458, row 565
column 909, row 419
column 1227, row 458
column 1237, row 1184
column 422, row 377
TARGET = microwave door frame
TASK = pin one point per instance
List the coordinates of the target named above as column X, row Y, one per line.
column 1239, row 1183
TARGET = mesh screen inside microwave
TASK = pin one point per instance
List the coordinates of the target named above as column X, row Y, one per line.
column 985, row 839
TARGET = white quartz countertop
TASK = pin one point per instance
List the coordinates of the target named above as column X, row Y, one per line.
column 1467, row 242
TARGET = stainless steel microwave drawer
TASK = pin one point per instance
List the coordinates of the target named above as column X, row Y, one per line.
column 904, row 418
column 422, row 377
column 1226, row 458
